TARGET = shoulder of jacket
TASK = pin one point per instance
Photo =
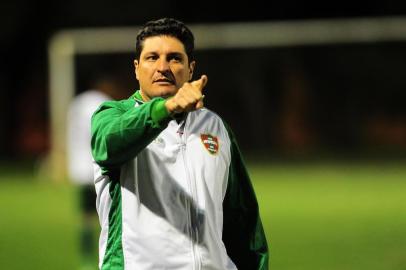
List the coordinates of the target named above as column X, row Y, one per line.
column 213, row 116
column 208, row 114
column 124, row 105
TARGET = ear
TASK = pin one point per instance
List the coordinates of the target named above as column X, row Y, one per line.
column 191, row 69
column 136, row 68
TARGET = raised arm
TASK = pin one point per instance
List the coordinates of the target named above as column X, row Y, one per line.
column 121, row 129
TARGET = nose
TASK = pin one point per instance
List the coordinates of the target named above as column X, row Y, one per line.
column 163, row 65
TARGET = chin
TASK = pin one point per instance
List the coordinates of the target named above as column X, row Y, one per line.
column 167, row 92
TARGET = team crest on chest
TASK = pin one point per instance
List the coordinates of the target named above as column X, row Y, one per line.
column 210, row 142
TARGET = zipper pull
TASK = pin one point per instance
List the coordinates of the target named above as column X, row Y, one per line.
column 181, row 128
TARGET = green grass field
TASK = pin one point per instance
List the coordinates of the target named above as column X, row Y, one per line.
column 316, row 217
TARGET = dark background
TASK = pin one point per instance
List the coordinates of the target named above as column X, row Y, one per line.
column 308, row 101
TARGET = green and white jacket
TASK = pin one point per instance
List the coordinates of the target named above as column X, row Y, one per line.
column 172, row 193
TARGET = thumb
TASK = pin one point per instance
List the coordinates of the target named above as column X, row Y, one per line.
column 200, row 83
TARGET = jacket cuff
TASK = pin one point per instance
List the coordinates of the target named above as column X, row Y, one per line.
column 159, row 111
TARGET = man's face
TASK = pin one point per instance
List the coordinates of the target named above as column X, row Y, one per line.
column 163, row 67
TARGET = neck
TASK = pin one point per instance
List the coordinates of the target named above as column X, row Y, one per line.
column 144, row 97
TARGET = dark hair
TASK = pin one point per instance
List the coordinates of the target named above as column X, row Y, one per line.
column 166, row 27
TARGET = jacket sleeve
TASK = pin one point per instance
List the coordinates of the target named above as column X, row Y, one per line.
column 243, row 234
column 121, row 130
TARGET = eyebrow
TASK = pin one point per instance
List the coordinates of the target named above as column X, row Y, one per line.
column 176, row 54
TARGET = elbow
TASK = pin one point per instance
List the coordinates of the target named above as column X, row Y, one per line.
column 99, row 151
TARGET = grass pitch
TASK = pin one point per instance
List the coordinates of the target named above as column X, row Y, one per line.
column 316, row 216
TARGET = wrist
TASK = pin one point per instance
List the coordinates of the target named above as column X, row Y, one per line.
column 171, row 106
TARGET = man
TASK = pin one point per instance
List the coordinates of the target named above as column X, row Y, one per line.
column 172, row 189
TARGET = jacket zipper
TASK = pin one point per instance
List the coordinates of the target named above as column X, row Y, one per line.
column 193, row 232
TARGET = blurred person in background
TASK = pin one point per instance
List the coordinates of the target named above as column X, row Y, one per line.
column 172, row 188
column 80, row 161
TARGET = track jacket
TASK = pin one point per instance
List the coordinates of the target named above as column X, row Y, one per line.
column 172, row 193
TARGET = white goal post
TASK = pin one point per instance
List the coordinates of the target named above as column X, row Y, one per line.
column 66, row 44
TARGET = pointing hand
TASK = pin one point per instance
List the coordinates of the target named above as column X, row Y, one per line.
column 188, row 98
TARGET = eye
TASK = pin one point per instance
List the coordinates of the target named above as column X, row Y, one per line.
column 175, row 58
column 151, row 57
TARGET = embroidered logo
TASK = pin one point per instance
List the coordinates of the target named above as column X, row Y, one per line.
column 210, row 142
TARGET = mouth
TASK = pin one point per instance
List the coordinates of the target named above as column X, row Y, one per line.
column 165, row 81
